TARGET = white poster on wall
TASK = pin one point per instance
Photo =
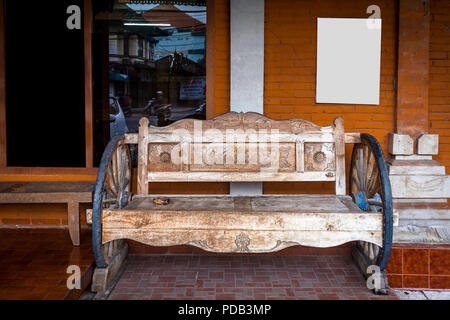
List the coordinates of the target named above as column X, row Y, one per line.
column 348, row 61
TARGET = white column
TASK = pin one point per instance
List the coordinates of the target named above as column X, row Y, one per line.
column 246, row 68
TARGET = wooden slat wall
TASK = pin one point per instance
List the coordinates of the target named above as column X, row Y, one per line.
column 439, row 88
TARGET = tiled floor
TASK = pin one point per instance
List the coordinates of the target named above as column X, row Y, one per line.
column 242, row 277
column 34, row 263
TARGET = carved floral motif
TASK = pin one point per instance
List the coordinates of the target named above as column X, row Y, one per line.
column 242, row 241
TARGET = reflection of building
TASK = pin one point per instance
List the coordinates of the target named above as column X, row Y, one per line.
column 172, row 71
column 143, row 60
column 131, row 63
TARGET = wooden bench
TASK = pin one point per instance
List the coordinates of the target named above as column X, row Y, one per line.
column 236, row 147
column 71, row 192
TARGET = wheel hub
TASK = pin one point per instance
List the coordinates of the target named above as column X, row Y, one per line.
column 366, row 204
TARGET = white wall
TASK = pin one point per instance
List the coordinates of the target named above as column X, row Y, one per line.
column 246, row 68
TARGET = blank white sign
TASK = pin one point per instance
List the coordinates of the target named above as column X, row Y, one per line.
column 348, row 61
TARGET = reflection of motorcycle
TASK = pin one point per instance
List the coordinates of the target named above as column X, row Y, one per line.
column 162, row 111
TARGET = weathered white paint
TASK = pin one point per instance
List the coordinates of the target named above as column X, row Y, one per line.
column 350, row 137
column 423, row 214
column 246, row 68
column 400, row 144
column 420, row 186
column 417, row 170
column 413, row 157
column 428, row 144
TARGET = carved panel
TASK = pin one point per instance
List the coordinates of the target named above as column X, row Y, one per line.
column 249, row 120
column 320, row 157
column 160, row 157
column 242, row 157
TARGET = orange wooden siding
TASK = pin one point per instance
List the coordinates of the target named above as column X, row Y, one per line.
column 439, row 90
column 221, row 57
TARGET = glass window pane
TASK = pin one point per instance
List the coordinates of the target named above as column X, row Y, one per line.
column 150, row 57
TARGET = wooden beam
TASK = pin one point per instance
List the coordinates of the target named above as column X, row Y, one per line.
column 413, row 67
column 210, row 56
column 88, row 83
column 2, row 86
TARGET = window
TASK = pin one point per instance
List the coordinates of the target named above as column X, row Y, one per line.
column 150, row 58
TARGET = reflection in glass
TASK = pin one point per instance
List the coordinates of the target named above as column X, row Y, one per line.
column 149, row 59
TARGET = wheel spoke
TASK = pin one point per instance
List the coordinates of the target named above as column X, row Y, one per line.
column 369, row 170
column 356, row 180
column 115, row 168
column 109, row 190
column 112, row 184
column 123, row 170
column 359, row 169
column 373, row 182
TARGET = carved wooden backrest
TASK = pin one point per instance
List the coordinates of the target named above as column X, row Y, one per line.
column 241, row 147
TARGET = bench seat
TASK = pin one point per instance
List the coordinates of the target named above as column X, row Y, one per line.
column 70, row 192
column 243, row 224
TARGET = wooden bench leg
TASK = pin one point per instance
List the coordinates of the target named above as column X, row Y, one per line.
column 73, row 213
column 103, row 278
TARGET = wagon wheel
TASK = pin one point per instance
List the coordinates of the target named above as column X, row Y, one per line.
column 371, row 190
column 112, row 190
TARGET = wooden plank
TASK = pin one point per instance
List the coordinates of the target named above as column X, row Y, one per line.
column 251, row 241
column 46, row 192
column 241, row 220
column 352, row 137
column 168, row 137
column 237, row 176
column 45, row 197
column 265, row 203
column 300, row 157
column 131, row 138
column 340, row 156
column 83, row 187
column 73, row 218
column 142, row 176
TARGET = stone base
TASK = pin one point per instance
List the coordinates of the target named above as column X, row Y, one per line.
column 420, row 192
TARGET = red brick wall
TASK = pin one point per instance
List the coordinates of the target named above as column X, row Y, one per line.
column 290, row 72
column 439, row 93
